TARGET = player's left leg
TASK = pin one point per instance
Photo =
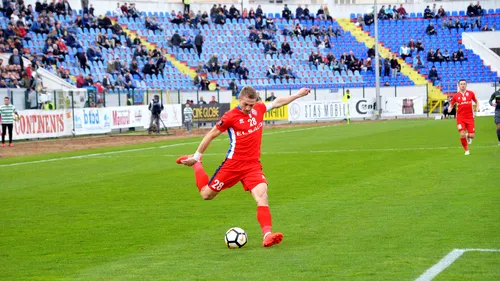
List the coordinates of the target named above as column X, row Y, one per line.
column 497, row 122
column 259, row 193
column 471, row 131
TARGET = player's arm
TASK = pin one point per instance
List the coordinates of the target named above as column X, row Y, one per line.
column 215, row 132
column 476, row 101
column 493, row 96
column 452, row 104
column 281, row 101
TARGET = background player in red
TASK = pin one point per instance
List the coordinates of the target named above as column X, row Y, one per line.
column 244, row 125
column 465, row 113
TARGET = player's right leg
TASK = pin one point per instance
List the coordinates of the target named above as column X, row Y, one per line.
column 497, row 122
column 259, row 193
column 463, row 135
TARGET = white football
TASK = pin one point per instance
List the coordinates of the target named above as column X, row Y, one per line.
column 235, row 238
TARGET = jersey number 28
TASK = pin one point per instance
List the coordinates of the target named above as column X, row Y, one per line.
column 217, row 185
column 252, row 121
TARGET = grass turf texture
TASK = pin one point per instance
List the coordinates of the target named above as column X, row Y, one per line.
column 357, row 214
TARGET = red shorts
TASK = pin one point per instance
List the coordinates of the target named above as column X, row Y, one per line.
column 466, row 125
column 230, row 172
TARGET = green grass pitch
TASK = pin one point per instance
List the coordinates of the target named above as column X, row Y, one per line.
column 365, row 201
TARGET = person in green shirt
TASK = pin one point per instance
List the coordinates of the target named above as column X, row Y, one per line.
column 8, row 114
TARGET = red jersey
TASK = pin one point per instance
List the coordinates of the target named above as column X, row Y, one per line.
column 464, row 101
column 245, row 132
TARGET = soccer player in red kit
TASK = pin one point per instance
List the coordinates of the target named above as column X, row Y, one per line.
column 465, row 113
column 244, row 126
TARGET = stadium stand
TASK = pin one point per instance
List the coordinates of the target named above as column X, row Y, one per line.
column 248, row 48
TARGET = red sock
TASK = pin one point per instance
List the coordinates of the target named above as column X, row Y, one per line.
column 464, row 143
column 200, row 176
column 264, row 218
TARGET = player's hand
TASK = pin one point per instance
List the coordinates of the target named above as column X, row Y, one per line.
column 303, row 92
column 189, row 162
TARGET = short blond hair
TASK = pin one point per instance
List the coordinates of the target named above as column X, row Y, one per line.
column 249, row 92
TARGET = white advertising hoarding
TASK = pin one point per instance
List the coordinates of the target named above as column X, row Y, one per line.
column 34, row 124
column 92, row 121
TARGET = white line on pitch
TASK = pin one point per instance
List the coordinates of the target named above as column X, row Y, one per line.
column 144, row 148
column 445, row 262
column 318, row 151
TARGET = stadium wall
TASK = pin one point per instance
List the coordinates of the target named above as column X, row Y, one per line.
column 337, row 11
column 481, row 43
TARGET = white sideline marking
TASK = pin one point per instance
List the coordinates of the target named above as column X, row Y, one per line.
column 145, row 148
column 452, row 256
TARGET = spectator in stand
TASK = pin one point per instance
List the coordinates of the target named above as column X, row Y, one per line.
column 387, row 67
column 461, row 56
column 420, row 46
column 243, row 71
column 282, row 73
column 412, row 45
column 16, row 59
column 402, row 12
column 233, row 87
column 204, row 84
column 431, row 56
column 359, row 22
column 368, row 64
column 486, row 28
column 389, row 13
column 187, row 5
column 446, row 56
column 298, row 12
column 404, row 52
column 271, row 72
column 321, row 13
column 286, row 13
column 430, row 30
column 381, row 13
column 434, row 11
column 213, row 68
column 368, row 19
column 285, row 48
column 394, row 66
column 327, row 13
column 433, row 75
column 220, row 19
column 314, row 60
column 129, row 81
column 152, row 24
column 306, row 13
column 439, row 56
column 106, row 82
column 478, row 10
column 201, row 101
column 80, row 80
column 441, row 12
column 120, row 83
column 418, row 62
column 89, row 81
column 471, row 10
column 428, row 13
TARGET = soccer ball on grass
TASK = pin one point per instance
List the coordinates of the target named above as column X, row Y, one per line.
column 235, row 238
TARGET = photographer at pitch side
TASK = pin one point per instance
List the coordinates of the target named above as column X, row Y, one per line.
column 156, row 107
